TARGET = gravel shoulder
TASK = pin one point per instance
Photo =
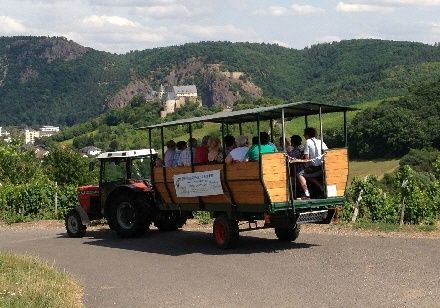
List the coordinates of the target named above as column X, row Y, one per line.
column 192, row 224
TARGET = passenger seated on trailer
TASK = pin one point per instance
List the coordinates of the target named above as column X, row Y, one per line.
column 169, row 153
column 265, row 136
column 201, row 152
column 312, row 150
column 185, row 156
column 238, row 154
column 287, row 143
column 180, row 146
column 230, row 144
column 215, row 153
column 265, row 147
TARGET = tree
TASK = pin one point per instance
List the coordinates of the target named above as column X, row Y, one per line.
column 18, row 166
column 66, row 166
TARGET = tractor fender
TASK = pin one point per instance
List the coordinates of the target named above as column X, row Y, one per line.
column 84, row 217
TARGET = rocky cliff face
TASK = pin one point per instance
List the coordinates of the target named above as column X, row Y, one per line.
column 38, row 51
column 49, row 49
column 214, row 86
column 123, row 97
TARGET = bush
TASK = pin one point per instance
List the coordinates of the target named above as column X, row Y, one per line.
column 374, row 204
column 379, row 203
column 25, row 202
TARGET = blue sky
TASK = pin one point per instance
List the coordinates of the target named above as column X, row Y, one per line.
column 124, row 25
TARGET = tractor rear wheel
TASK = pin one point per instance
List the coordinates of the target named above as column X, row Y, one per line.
column 288, row 234
column 225, row 232
column 74, row 225
column 129, row 215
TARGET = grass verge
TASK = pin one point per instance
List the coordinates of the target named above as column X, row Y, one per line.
column 387, row 227
column 29, row 282
column 379, row 167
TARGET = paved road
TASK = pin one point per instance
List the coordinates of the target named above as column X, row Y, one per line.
column 184, row 269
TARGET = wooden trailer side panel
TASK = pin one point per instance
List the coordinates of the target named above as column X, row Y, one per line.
column 242, row 182
column 336, row 170
column 275, row 175
column 245, row 184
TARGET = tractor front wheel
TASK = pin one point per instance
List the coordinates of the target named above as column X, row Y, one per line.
column 74, row 225
column 225, row 232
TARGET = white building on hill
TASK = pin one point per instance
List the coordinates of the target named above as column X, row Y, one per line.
column 177, row 97
column 30, row 135
column 45, row 131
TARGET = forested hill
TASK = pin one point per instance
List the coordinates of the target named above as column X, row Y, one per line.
column 55, row 81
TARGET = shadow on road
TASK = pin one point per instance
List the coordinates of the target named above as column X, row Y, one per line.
column 186, row 242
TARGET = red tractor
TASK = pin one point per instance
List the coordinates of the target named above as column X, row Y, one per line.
column 124, row 197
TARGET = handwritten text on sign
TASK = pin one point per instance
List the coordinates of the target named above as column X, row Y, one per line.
column 198, row 184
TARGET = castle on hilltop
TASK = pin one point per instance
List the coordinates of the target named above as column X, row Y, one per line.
column 176, row 97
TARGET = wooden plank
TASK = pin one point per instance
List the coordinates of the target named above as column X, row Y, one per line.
column 279, row 198
column 242, row 171
column 158, row 174
column 246, row 187
column 218, row 199
column 275, row 184
column 273, row 156
column 246, row 198
column 277, row 191
column 203, row 168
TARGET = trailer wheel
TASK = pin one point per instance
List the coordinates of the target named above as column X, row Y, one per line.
column 288, row 234
column 129, row 215
column 225, row 232
column 74, row 225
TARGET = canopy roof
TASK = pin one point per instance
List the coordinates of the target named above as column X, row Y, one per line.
column 291, row 110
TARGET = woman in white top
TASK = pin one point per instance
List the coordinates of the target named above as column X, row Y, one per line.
column 238, row 154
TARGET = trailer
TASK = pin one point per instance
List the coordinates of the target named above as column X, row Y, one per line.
column 240, row 193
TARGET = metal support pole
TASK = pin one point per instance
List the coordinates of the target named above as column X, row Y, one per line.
column 151, row 161
column 258, row 132
column 191, row 147
column 162, row 143
column 345, row 129
column 223, row 143
column 283, row 131
column 240, row 129
column 271, row 130
column 320, row 128
column 164, row 173
column 321, row 135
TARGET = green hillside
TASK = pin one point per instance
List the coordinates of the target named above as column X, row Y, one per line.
column 378, row 129
column 55, row 81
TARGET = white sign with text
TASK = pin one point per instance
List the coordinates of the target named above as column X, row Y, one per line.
column 198, row 184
